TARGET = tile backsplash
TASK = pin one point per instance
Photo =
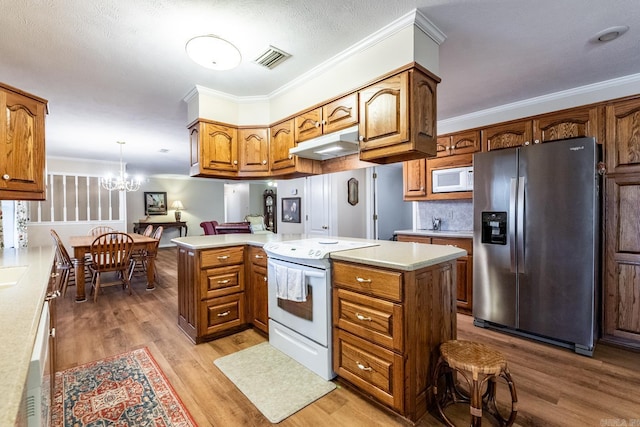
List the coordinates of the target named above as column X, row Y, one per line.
column 455, row 215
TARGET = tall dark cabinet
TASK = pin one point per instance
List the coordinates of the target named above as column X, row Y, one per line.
column 270, row 210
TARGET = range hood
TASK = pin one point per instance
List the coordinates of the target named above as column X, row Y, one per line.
column 336, row 144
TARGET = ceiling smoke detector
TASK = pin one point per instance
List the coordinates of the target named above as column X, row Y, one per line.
column 271, row 57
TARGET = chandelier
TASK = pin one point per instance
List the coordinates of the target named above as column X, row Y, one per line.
column 120, row 183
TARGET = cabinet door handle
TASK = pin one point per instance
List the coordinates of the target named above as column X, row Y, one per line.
column 264, row 162
column 265, row 278
column 290, row 156
column 223, row 257
column 223, row 282
column 361, row 317
column 318, row 124
column 226, row 313
column 258, row 257
column 6, row 177
column 364, row 368
column 52, row 333
column 361, row 280
column 235, row 162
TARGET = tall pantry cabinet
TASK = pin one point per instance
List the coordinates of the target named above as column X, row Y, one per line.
column 621, row 316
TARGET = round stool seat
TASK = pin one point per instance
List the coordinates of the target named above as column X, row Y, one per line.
column 485, row 366
column 474, row 357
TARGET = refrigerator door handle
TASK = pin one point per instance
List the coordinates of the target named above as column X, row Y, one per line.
column 512, row 223
column 520, row 226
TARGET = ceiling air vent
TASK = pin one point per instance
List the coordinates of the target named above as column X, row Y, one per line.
column 271, row 57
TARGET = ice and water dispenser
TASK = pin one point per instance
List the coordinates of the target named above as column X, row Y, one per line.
column 494, row 228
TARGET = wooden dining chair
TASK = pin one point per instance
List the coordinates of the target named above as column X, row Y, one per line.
column 100, row 229
column 139, row 260
column 110, row 253
column 64, row 264
column 148, row 231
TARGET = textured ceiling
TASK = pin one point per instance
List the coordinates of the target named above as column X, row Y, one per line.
column 117, row 70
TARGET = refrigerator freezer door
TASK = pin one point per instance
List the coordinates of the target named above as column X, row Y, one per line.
column 557, row 284
column 494, row 284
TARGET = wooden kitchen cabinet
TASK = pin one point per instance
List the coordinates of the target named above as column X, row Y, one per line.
column 387, row 327
column 214, row 149
column 331, row 117
column 253, row 151
column 22, row 147
column 414, row 179
column 459, row 143
column 211, row 292
column 281, row 162
column 623, row 137
column 464, row 265
column 417, row 178
column 398, row 117
column 512, row 134
column 258, row 282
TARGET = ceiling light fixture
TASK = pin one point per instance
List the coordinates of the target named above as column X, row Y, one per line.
column 120, row 183
column 609, row 34
column 213, row 52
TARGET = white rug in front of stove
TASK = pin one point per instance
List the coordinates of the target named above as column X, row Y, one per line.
column 275, row 383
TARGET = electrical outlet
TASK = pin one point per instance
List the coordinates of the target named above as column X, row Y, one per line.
column 450, row 214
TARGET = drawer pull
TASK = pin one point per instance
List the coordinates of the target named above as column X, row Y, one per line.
column 223, row 257
column 361, row 317
column 364, row 368
column 258, row 257
column 226, row 313
column 223, row 282
column 361, row 280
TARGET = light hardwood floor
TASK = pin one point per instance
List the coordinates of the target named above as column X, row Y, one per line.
column 554, row 386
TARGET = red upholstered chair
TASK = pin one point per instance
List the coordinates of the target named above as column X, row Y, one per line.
column 209, row 227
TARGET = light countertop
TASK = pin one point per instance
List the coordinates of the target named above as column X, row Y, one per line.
column 20, row 309
column 398, row 255
column 462, row 234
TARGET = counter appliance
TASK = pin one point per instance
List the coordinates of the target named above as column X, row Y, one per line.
column 536, row 246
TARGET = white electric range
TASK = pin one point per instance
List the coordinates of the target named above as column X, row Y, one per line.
column 302, row 329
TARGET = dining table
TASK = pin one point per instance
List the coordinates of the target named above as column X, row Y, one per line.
column 81, row 245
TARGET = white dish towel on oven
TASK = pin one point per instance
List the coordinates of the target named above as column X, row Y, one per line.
column 290, row 284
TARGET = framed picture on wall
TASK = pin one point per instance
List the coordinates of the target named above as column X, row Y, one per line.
column 155, row 203
column 291, row 209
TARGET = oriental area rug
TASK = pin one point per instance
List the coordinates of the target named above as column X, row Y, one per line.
column 275, row 383
column 125, row 390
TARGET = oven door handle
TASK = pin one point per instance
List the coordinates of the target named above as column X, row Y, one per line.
column 308, row 273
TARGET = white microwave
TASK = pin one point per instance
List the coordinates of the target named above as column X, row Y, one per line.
column 452, row 179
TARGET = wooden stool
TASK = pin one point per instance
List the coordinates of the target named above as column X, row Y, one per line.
column 484, row 366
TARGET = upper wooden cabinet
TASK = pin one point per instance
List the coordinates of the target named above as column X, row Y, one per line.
column 281, row 162
column 253, row 151
column 214, row 149
column 571, row 123
column 331, row 117
column 623, row 136
column 514, row 134
column 414, row 179
column 459, row 143
column 398, row 118
column 22, row 147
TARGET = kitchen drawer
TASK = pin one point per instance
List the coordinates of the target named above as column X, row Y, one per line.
column 466, row 244
column 368, row 280
column 375, row 370
column 370, row 318
column 219, row 314
column 221, row 257
column 217, row 282
column 257, row 256
column 413, row 238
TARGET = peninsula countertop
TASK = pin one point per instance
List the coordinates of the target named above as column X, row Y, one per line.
column 20, row 309
column 397, row 255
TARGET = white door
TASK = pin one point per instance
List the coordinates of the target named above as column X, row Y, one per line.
column 317, row 215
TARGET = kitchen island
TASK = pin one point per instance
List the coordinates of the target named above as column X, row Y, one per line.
column 392, row 304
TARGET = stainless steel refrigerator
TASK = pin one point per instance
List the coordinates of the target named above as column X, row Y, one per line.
column 536, row 246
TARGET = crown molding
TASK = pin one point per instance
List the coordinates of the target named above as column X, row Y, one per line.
column 596, row 92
